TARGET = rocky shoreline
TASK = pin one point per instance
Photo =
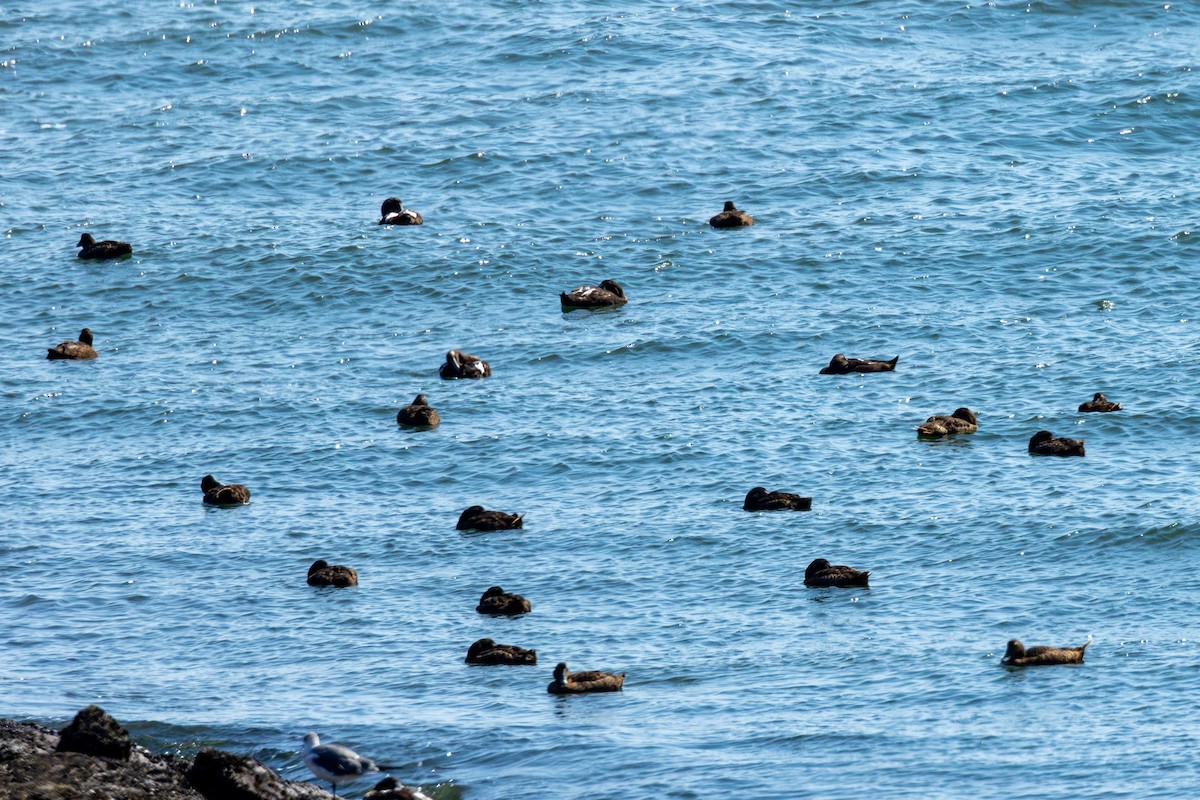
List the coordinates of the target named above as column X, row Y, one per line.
column 93, row 756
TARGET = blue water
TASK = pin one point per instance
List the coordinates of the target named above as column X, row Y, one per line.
column 1003, row 195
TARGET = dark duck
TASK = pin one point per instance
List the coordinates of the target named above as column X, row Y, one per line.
column 97, row 251
column 74, row 350
column 961, row 421
column 840, row 365
column 498, row 602
column 1099, row 403
column 1018, row 655
column 730, row 217
column 477, row 518
column 418, row 414
column 322, row 573
column 1043, row 443
column 392, row 212
column 487, row 653
column 759, row 499
column 463, row 365
column 821, row 573
column 567, row 682
column 607, row 295
column 220, row 494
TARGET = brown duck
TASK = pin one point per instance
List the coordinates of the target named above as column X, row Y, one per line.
column 961, row 421
column 418, row 414
column 607, row 295
column 476, row 518
column 487, row 652
column 759, row 499
column 1043, row 443
column 463, row 365
column 840, row 365
column 566, row 682
column 220, row 494
column 1099, row 403
column 821, row 573
column 730, row 217
column 498, row 602
column 392, row 212
column 1017, row 655
column 100, row 250
column 322, row 573
column 74, row 350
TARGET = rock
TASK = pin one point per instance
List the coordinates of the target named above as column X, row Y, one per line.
column 224, row 776
column 94, row 757
column 93, row 732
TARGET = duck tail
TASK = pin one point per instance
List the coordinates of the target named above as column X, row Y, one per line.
column 894, row 361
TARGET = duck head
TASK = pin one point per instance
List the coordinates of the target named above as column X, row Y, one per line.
column 1014, row 650
column 390, row 206
column 454, row 360
column 86, row 240
column 816, row 566
column 481, row 646
column 1099, row 397
column 838, row 362
column 466, row 515
column 729, row 206
column 208, row 483
column 317, row 566
column 85, row 336
column 421, row 400
column 965, row 414
column 757, row 493
column 493, row 591
column 612, row 287
column 561, row 673
column 1041, row 437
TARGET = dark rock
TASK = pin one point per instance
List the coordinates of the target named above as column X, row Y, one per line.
column 224, row 776
column 93, row 732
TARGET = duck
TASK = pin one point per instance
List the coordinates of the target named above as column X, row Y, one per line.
column 322, row 573
column 730, row 217
column 100, row 250
column 1099, row 403
column 488, row 653
column 220, row 494
column 391, row 789
column 77, row 351
column 418, row 414
column 759, row 499
column 497, row 602
column 1017, row 655
column 334, row 763
column 840, row 365
column 608, row 294
column 821, row 573
column 476, row 518
column 1043, row 443
column 463, row 365
column 392, row 212
column 961, row 421
column 566, row 682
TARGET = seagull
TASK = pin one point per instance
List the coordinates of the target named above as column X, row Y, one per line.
column 334, row 763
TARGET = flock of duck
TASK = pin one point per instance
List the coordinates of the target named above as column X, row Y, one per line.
column 336, row 764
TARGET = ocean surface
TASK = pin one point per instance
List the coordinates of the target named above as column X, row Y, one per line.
column 1002, row 194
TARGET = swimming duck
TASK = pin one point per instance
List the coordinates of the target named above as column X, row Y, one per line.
column 607, row 295
column 759, row 499
column 463, row 365
column 74, row 350
column 322, row 573
column 392, row 213
column 391, row 789
column 1017, row 655
column 476, row 518
column 566, row 682
column 961, row 421
column 498, row 602
column 821, row 573
column 730, row 217
column 1043, row 443
column 100, row 250
column 840, row 365
column 487, row 652
column 418, row 414
column 1099, row 403
column 219, row 494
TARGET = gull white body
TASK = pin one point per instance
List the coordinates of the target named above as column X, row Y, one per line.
column 333, row 763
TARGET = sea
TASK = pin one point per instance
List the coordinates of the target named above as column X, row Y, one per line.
column 1003, row 194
